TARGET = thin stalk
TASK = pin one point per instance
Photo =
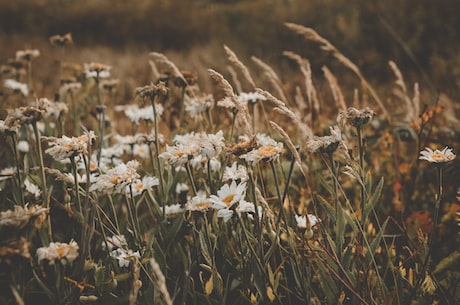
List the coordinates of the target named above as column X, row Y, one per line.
column 135, row 219
column 75, row 178
column 101, row 111
column 182, row 106
column 211, row 185
column 46, row 202
column 18, row 167
column 278, row 192
column 336, row 202
column 208, row 116
column 361, row 167
column 157, row 150
column 190, row 177
column 234, row 113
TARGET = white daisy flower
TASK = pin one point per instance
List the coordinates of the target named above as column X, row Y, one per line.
column 116, row 241
column 65, row 253
column 437, row 156
column 200, row 202
column 66, row 147
column 7, row 173
column 124, row 257
column 16, row 86
column 236, row 173
column 228, row 195
column 172, row 210
column 32, row 189
column 146, row 183
column 302, row 221
column 117, row 179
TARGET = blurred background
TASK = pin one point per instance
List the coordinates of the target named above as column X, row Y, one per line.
column 421, row 36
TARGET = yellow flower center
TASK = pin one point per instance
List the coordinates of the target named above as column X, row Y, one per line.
column 114, row 179
column 228, row 200
column 267, row 151
column 60, row 252
column 438, row 157
column 139, row 187
column 202, row 205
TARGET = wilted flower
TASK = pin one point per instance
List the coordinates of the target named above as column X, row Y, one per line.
column 61, row 41
column 355, row 117
column 124, row 257
column 12, row 249
column 109, row 84
column 152, row 90
column 69, row 88
column 196, row 106
column 304, row 223
column 146, row 183
column 236, row 172
column 32, row 189
column 172, row 210
column 20, row 216
column 7, row 173
column 199, row 203
column 117, row 179
column 27, row 55
column 267, row 150
column 135, row 113
column 437, row 156
column 16, row 86
column 23, row 115
column 97, row 70
column 65, row 253
column 326, row 144
column 193, row 145
column 65, row 147
column 116, row 241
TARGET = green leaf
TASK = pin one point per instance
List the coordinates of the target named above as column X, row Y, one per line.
column 369, row 256
column 447, row 263
column 373, row 199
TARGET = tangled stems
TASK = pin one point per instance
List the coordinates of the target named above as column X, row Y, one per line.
column 14, row 138
column 42, row 174
column 437, row 206
column 75, row 178
column 157, row 150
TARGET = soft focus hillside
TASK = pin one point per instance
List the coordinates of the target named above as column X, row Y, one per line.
column 422, row 37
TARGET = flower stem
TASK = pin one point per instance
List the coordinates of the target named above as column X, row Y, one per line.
column 42, row 174
column 361, row 168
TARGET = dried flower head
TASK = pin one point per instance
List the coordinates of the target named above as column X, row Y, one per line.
column 20, row 216
column 117, row 179
column 267, row 150
column 66, row 147
column 110, row 84
column 61, row 41
column 65, row 253
column 355, row 117
column 326, row 144
column 437, row 156
column 27, row 55
column 97, row 70
column 23, row 115
column 152, row 90
column 19, row 247
column 16, row 86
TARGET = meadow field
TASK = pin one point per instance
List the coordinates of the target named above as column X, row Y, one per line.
column 229, row 152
